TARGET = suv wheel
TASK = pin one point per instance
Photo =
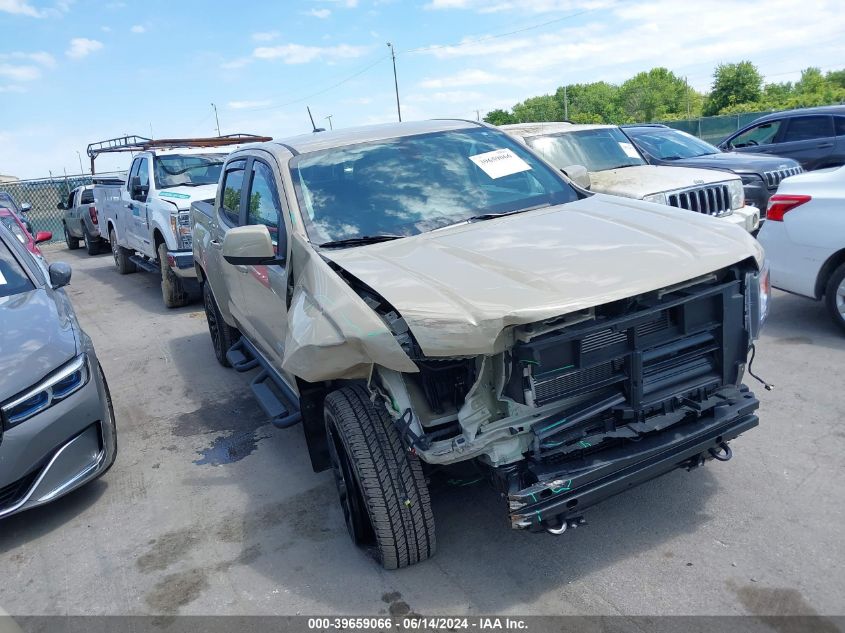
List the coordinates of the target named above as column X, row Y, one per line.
column 382, row 489
column 834, row 296
column 172, row 288
column 223, row 336
column 72, row 242
column 121, row 256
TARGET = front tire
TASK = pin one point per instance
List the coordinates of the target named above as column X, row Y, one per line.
column 834, row 296
column 121, row 256
column 223, row 336
column 72, row 242
column 172, row 289
column 383, row 493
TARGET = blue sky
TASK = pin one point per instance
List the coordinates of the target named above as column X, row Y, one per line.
column 76, row 71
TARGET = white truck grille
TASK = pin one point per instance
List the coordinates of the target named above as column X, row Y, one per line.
column 708, row 199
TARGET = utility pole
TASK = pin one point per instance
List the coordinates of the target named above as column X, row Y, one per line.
column 686, row 86
column 81, row 168
column 478, row 115
column 330, row 121
column 395, row 80
column 216, row 119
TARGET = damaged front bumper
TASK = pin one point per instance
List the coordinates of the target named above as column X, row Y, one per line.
column 562, row 492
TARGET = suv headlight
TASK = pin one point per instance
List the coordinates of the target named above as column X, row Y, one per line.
column 737, row 194
column 56, row 387
column 758, row 298
column 657, row 198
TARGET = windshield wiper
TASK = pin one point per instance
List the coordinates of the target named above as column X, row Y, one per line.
column 492, row 216
column 361, row 240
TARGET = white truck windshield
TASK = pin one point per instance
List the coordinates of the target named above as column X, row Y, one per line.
column 410, row 185
column 597, row 150
column 176, row 170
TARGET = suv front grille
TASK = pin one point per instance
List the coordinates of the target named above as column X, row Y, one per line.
column 709, row 199
column 774, row 177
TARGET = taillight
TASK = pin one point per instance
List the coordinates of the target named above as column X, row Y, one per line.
column 780, row 203
column 92, row 211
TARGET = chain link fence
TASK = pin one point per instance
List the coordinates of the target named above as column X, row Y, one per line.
column 714, row 128
column 44, row 194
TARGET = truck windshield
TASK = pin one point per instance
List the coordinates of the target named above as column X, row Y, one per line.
column 673, row 144
column 597, row 149
column 13, row 279
column 409, row 185
column 175, row 170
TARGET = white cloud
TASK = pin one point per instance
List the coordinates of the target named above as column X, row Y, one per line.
column 349, row 4
column 236, row 63
column 265, row 36
column 319, row 13
column 242, row 105
column 447, row 96
column 13, row 88
column 299, row 54
column 521, row 6
column 82, row 47
column 39, row 57
column 138, row 28
column 20, row 7
column 19, row 73
column 469, row 77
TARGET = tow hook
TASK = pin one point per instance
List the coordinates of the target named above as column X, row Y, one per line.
column 722, row 455
column 566, row 524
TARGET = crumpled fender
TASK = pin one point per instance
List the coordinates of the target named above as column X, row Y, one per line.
column 332, row 333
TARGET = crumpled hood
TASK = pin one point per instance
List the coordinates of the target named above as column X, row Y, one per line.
column 739, row 162
column 459, row 287
column 37, row 337
column 641, row 180
column 182, row 197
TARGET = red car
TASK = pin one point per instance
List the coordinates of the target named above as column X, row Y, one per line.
column 18, row 228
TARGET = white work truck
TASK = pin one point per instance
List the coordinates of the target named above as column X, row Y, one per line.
column 147, row 219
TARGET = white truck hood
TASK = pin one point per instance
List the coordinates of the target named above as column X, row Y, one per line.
column 458, row 288
column 642, row 180
column 183, row 196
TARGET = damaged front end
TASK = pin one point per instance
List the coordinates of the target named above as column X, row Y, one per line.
column 586, row 405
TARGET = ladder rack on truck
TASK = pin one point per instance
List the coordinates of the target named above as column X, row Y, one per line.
column 135, row 143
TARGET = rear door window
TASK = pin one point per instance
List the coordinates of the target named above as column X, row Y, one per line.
column 13, row 278
column 233, row 184
column 839, row 122
column 87, row 196
column 808, row 128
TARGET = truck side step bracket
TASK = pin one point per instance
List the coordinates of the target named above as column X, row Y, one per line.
column 240, row 358
column 272, row 400
column 144, row 264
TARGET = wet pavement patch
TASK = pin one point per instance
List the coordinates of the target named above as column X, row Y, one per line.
column 227, row 449
column 236, row 413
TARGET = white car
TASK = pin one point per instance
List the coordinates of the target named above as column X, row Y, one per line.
column 804, row 238
column 601, row 158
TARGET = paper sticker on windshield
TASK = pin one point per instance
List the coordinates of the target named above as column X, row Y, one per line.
column 499, row 163
column 630, row 150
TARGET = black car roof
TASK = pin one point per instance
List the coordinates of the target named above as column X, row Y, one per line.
column 831, row 109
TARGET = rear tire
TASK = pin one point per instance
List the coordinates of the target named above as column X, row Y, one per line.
column 834, row 296
column 223, row 335
column 72, row 242
column 382, row 489
column 121, row 256
column 92, row 245
column 172, row 289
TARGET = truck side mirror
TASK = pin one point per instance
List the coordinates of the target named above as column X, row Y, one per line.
column 43, row 236
column 25, row 207
column 578, row 174
column 138, row 191
column 61, row 206
column 250, row 245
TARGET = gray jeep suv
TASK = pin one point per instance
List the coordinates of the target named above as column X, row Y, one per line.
column 58, row 430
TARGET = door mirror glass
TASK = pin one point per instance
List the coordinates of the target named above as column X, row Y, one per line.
column 61, row 206
column 43, row 236
column 578, row 174
column 59, row 274
column 25, row 206
column 249, row 245
column 139, row 191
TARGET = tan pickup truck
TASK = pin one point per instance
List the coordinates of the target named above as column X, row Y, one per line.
column 425, row 294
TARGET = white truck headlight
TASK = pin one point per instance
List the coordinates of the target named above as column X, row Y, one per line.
column 657, row 198
column 737, row 194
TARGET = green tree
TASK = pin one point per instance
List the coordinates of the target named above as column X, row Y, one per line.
column 836, row 78
column 590, row 103
column 499, row 117
column 542, row 108
column 812, row 82
column 656, row 94
column 734, row 84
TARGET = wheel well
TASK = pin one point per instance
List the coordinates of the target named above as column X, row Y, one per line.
column 158, row 238
column 833, row 262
